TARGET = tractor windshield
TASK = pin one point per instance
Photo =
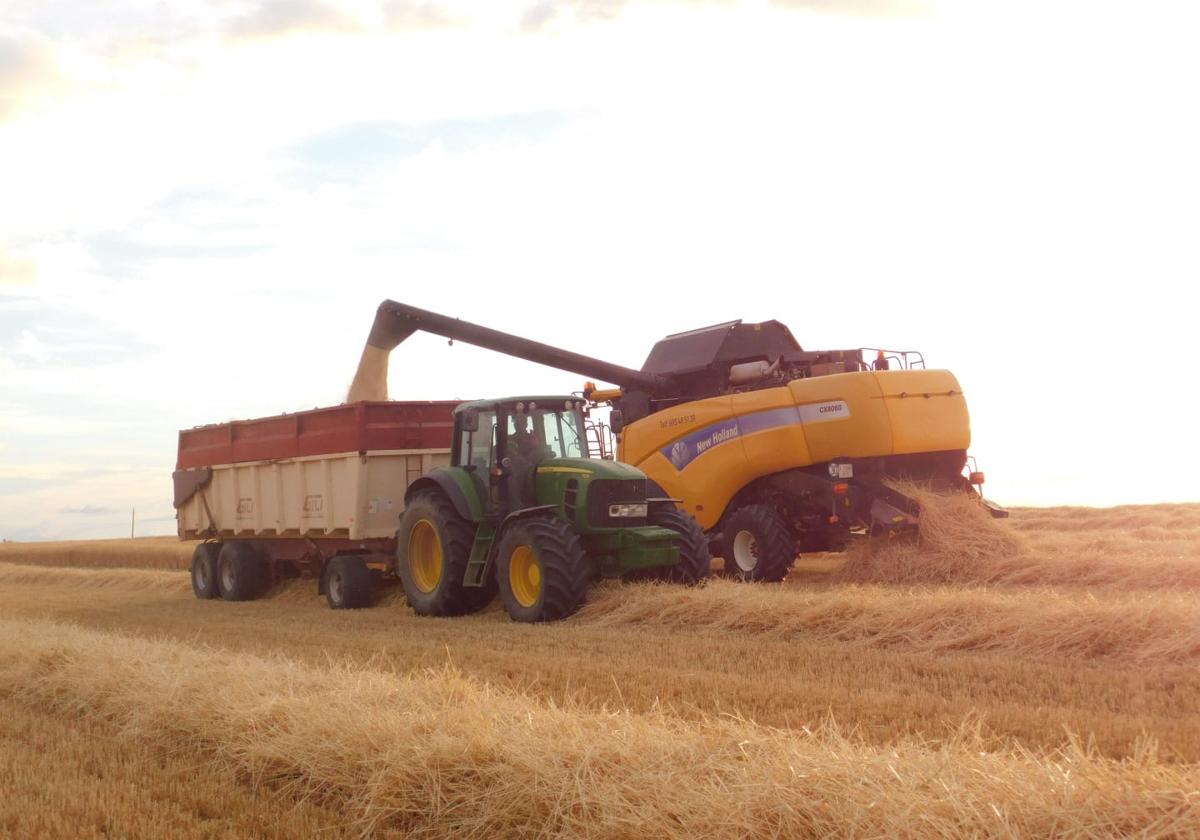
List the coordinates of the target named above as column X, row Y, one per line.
column 546, row 434
column 562, row 433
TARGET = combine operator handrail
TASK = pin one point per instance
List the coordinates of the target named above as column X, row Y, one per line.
column 901, row 357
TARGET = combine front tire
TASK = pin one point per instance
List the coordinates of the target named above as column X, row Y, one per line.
column 432, row 549
column 242, row 573
column 759, row 545
column 542, row 569
column 695, row 561
column 204, row 570
column 347, row 583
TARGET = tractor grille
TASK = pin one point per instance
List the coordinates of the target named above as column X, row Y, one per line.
column 606, row 491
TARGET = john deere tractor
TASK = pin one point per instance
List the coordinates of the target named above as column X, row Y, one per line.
column 522, row 510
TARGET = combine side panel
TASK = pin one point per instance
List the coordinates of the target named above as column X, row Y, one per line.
column 927, row 410
column 843, row 416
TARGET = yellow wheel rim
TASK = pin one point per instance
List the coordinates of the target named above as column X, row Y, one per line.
column 525, row 576
column 425, row 556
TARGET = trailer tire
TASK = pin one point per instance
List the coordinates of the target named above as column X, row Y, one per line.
column 348, row 583
column 695, row 560
column 542, row 570
column 242, row 573
column 759, row 544
column 204, row 570
column 433, row 546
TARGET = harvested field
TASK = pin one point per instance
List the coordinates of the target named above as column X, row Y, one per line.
column 1062, row 701
column 141, row 553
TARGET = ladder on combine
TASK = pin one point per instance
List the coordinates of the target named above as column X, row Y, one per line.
column 599, row 441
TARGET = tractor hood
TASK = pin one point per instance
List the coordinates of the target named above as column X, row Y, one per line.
column 589, row 468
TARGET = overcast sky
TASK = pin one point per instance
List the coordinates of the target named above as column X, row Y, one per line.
column 202, row 201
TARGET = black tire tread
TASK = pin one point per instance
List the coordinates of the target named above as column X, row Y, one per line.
column 252, row 575
column 356, row 582
column 566, row 570
column 206, row 553
column 695, row 560
column 776, row 544
column 450, row 597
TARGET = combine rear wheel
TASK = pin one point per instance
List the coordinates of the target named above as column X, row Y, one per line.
column 695, row 561
column 242, row 574
column 347, row 583
column 432, row 549
column 204, row 570
column 542, row 569
column 759, row 545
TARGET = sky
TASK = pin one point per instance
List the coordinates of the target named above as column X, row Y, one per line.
column 203, row 201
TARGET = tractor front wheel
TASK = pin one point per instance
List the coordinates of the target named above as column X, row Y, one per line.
column 542, row 570
column 758, row 544
column 695, row 561
column 433, row 546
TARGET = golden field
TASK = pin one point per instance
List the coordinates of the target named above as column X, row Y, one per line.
column 1035, row 677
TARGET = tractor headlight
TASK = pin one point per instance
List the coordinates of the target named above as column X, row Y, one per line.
column 628, row 509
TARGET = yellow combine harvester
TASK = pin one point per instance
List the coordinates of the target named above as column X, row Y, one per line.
column 775, row 450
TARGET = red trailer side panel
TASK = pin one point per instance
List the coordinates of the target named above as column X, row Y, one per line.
column 355, row 427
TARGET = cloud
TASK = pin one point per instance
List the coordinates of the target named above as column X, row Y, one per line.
column 862, row 8
column 406, row 14
column 545, row 12
column 276, row 18
column 27, row 69
column 14, row 270
column 88, row 510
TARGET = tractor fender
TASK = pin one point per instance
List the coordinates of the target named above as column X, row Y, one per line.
column 445, row 479
column 516, row 515
column 506, row 523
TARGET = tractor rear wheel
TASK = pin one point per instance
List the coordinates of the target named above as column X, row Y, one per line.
column 695, row 561
column 433, row 546
column 542, row 570
column 347, row 583
column 759, row 545
column 204, row 570
column 242, row 574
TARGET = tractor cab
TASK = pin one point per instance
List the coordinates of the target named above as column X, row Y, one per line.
column 502, row 443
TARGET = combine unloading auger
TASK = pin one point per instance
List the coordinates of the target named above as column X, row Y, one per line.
column 773, row 448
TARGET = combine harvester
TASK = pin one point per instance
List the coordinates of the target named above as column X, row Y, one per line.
column 773, row 449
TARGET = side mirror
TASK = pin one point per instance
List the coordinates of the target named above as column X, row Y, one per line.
column 616, row 421
column 470, row 420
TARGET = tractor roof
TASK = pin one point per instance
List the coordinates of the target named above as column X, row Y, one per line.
column 545, row 401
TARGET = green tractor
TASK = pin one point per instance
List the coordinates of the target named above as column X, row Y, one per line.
column 523, row 510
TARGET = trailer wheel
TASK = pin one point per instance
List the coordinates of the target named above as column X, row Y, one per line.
column 432, row 549
column 347, row 583
column 759, row 544
column 695, row 560
column 242, row 573
column 542, row 570
column 204, row 570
